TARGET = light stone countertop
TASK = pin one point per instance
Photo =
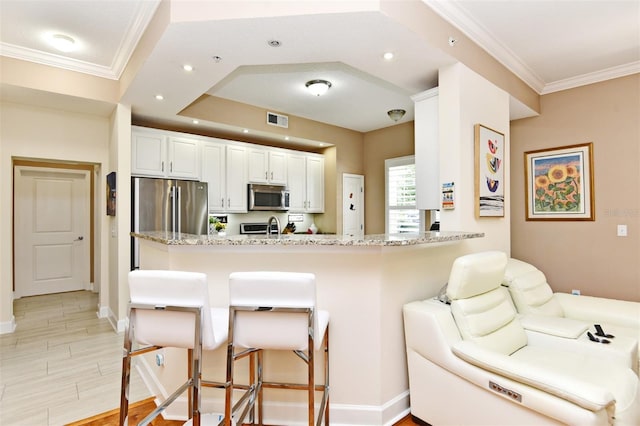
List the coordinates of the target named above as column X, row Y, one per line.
column 382, row 240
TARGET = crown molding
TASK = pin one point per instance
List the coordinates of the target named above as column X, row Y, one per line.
column 141, row 19
column 459, row 18
column 50, row 59
column 594, row 77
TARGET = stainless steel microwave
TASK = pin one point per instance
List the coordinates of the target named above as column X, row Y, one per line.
column 268, row 197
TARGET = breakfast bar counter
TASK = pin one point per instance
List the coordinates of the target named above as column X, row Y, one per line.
column 362, row 282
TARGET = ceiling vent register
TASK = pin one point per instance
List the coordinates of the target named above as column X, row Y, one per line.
column 277, row 120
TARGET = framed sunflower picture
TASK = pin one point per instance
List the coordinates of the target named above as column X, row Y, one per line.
column 559, row 183
column 489, row 172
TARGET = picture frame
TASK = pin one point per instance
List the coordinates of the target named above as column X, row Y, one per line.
column 111, row 194
column 559, row 183
column 489, row 172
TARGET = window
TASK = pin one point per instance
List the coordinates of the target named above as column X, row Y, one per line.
column 402, row 216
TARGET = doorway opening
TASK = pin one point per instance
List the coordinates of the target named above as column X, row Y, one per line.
column 53, row 227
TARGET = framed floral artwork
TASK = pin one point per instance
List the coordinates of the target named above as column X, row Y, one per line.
column 559, row 183
column 489, row 172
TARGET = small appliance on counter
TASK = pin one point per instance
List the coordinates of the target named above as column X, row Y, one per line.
column 257, row 228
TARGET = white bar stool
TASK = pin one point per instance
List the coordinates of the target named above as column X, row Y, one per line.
column 277, row 311
column 171, row 309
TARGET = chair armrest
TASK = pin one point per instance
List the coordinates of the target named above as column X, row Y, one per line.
column 554, row 326
column 622, row 313
column 564, row 386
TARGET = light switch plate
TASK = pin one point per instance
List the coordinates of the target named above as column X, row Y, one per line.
column 622, row 230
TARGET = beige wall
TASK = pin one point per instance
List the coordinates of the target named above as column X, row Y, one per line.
column 465, row 99
column 379, row 145
column 586, row 255
column 30, row 132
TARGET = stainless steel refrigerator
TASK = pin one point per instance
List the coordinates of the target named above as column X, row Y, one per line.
column 169, row 206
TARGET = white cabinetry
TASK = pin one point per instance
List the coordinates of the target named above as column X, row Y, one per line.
column 184, row 158
column 427, row 150
column 158, row 154
column 224, row 168
column 306, row 182
column 236, row 179
column 148, row 154
column 267, row 166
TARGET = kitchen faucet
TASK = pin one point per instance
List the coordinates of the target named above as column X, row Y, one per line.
column 272, row 218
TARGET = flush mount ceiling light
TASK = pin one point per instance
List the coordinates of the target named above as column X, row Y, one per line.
column 396, row 114
column 62, row 42
column 318, row 87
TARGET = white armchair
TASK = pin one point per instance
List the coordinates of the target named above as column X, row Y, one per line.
column 471, row 362
column 532, row 296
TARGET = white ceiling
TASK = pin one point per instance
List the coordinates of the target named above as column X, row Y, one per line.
column 551, row 45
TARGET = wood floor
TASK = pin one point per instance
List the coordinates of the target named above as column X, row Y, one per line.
column 62, row 366
column 139, row 410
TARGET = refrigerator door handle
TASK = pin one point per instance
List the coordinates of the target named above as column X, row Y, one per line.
column 179, row 211
column 174, row 195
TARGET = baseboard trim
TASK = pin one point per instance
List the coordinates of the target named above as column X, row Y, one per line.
column 103, row 312
column 7, row 327
column 118, row 325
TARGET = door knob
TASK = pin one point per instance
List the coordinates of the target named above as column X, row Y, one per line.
column 79, row 238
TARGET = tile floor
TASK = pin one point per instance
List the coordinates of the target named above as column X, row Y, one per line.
column 62, row 363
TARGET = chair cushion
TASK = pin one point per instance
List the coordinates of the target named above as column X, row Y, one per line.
column 490, row 321
column 515, row 268
column 475, row 274
column 532, row 294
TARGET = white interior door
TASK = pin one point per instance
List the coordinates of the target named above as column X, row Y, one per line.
column 353, row 205
column 51, row 211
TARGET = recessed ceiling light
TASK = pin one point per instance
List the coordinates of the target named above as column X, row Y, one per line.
column 216, row 58
column 159, row 97
column 187, row 67
column 62, row 42
column 245, row 130
column 388, row 56
column 274, row 43
column 195, row 122
column 286, row 138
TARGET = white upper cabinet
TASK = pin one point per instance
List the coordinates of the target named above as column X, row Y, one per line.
column 224, row 168
column 184, row 158
column 315, row 184
column 214, row 173
column 427, row 150
column 267, row 166
column 277, row 167
column 296, row 171
column 148, row 154
column 306, row 182
column 155, row 153
column 236, row 175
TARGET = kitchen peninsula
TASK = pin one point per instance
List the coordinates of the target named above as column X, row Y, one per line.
column 362, row 282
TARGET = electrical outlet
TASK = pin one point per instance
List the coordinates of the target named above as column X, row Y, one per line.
column 622, row 230
column 575, row 292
